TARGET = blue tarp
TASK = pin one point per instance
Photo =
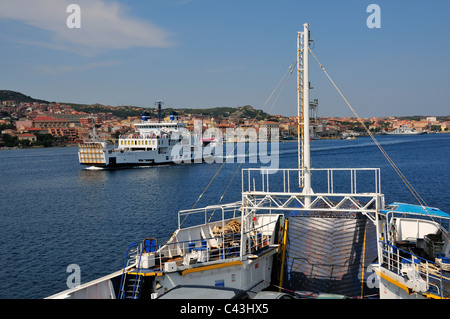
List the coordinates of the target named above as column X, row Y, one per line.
column 416, row 209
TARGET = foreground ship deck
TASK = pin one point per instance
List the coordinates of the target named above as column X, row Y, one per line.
column 232, row 248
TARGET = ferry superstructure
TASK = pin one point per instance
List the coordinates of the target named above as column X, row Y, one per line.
column 404, row 130
column 152, row 143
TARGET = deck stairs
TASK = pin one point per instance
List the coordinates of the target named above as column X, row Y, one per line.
column 132, row 286
column 132, row 279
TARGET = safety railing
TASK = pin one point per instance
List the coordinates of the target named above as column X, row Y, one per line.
column 327, row 180
column 133, row 251
column 209, row 214
column 424, row 274
column 223, row 245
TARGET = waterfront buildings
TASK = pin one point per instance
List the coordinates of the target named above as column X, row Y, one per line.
column 70, row 126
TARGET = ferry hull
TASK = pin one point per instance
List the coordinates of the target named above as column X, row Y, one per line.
column 252, row 275
column 410, row 133
column 114, row 163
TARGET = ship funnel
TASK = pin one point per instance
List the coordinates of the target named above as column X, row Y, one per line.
column 173, row 116
column 145, row 117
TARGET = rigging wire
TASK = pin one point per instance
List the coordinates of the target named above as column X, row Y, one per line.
column 411, row 188
column 273, row 104
column 394, row 166
column 286, row 74
column 285, row 77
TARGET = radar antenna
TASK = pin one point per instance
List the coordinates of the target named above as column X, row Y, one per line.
column 158, row 104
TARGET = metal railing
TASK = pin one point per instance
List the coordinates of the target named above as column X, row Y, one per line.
column 412, row 267
column 133, row 251
column 326, row 180
column 210, row 214
column 224, row 245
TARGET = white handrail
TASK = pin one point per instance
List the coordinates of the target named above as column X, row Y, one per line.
column 282, row 179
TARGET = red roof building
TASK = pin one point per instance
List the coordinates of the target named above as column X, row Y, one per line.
column 50, row 122
column 27, row 136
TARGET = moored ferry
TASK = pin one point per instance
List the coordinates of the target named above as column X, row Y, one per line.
column 404, row 130
column 152, row 143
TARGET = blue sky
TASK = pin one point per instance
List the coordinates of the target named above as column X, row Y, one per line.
column 210, row 53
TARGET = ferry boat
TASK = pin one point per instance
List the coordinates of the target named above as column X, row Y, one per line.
column 152, row 143
column 293, row 233
column 403, row 130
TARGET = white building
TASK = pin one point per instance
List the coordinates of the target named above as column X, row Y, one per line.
column 269, row 130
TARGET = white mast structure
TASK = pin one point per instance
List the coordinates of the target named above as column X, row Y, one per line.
column 304, row 157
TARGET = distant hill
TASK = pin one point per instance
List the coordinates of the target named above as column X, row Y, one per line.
column 6, row 95
column 236, row 113
column 240, row 112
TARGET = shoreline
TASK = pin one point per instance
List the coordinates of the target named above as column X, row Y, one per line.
column 281, row 141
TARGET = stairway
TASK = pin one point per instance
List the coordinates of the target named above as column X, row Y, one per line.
column 132, row 286
column 132, row 279
column 130, row 283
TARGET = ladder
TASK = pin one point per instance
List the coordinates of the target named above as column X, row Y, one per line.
column 132, row 286
column 131, row 281
column 300, row 108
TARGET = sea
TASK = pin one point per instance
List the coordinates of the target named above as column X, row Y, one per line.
column 55, row 213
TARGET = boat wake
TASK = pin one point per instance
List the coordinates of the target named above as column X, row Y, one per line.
column 94, row 168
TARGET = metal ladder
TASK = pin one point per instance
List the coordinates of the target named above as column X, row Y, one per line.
column 132, row 286
column 131, row 282
column 301, row 103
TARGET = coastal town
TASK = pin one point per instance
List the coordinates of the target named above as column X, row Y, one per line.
column 38, row 124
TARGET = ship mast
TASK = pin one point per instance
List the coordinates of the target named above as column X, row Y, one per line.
column 303, row 117
column 158, row 104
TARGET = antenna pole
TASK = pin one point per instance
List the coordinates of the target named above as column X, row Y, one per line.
column 159, row 103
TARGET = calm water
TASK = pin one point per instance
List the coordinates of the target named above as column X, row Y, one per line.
column 54, row 213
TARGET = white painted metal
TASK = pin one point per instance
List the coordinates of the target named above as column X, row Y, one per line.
column 307, row 190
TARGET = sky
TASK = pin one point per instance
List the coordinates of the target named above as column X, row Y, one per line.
column 217, row 53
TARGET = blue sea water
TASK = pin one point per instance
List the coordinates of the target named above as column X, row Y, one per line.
column 54, row 213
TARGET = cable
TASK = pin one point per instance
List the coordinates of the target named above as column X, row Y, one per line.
column 287, row 73
column 394, row 166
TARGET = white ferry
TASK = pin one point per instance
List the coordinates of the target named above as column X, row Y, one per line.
column 403, row 130
column 152, row 143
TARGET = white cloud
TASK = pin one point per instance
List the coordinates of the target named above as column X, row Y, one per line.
column 104, row 25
